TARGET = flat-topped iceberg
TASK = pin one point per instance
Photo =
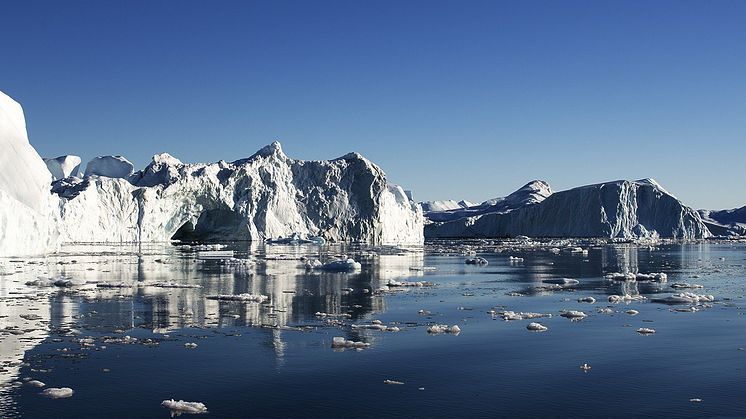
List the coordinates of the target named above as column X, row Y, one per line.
column 265, row 196
column 619, row 209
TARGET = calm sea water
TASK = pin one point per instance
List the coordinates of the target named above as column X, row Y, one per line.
column 275, row 360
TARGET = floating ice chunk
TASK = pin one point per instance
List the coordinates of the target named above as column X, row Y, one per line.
column 393, row 382
column 684, row 285
column 246, row 297
column 618, row 276
column 476, row 261
column 297, row 239
column 590, row 300
column 561, row 281
column 515, row 259
column 190, row 345
column 35, row 383
column 585, row 367
column 167, row 284
column 537, row 327
column 625, row 298
column 512, row 315
column 656, row 276
column 605, row 310
column 645, row 331
column 632, row 312
column 181, row 406
column 339, row 342
column 343, row 315
column 60, row 281
column 392, row 283
column 438, row 329
column 573, row 314
column 685, row 298
column 695, row 400
column 58, row 393
column 342, row 265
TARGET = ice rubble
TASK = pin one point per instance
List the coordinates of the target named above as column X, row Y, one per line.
column 63, row 166
column 109, row 166
column 265, row 196
column 27, row 220
column 685, row 298
column 619, row 209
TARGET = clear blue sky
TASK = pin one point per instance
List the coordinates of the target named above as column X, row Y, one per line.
column 452, row 99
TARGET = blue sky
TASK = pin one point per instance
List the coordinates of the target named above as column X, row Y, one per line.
column 465, row 100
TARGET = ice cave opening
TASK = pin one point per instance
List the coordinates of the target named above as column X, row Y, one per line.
column 213, row 225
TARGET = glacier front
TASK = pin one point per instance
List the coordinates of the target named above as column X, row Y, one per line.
column 267, row 195
column 619, row 209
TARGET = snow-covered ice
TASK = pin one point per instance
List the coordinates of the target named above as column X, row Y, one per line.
column 63, row 166
column 109, row 166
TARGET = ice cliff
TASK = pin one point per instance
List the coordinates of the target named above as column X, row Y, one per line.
column 620, row 209
column 267, row 195
column 27, row 210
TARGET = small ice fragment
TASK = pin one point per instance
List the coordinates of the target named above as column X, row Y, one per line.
column 573, row 314
column 455, row 329
column 190, row 345
column 184, row 407
column 590, row 300
column 58, row 393
column 476, row 261
column 537, row 327
column 561, row 281
column 515, row 259
column 246, row 297
column 394, row 382
column 36, row 383
column 585, row 367
column 632, row 312
column 695, row 400
column 645, row 331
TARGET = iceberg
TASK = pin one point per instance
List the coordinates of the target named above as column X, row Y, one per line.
column 725, row 222
column 109, row 166
column 63, row 166
column 531, row 193
column 619, row 209
column 27, row 209
column 265, row 196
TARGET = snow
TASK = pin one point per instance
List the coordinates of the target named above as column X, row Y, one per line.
column 63, row 166
column 267, row 195
column 619, row 209
column 109, row 166
column 27, row 210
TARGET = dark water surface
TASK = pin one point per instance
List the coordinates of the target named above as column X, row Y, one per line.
column 275, row 360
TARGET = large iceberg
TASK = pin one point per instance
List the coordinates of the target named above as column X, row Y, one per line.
column 267, row 195
column 27, row 209
column 531, row 193
column 725, row 222
column 620, row 209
